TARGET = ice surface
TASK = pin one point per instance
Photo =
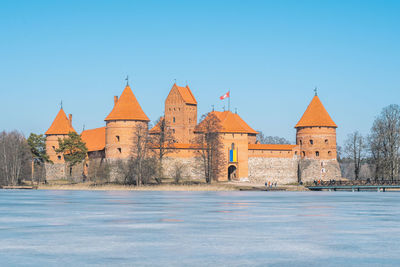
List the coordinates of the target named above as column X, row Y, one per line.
column 117, row 228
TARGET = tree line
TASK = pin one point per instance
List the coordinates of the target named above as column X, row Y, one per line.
column 379, row 150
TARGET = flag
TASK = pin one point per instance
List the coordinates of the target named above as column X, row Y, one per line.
column 224, row 96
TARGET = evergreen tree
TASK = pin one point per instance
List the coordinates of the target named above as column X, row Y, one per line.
column 73, row 149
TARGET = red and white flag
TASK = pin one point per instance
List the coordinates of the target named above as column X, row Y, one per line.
column 224, row 96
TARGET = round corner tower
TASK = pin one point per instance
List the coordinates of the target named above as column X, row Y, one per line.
column 316, row 142
column 123, row 124
column 59, row 129
column 316, row 133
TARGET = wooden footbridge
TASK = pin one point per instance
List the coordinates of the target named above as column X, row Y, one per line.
column 362, row 185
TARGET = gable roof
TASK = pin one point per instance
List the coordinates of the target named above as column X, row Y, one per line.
column 95, row 139
column 316, row 115
column 230, row 123
column 186, row 94
column 127, row 108
column 60, row 125
column 156, row 128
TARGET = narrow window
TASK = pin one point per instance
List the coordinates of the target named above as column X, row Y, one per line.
column 311, row 142
column 59, row 157
column 329, row 153
column 173, row 119
column 303, row 153
column 301, row 142
column 317, row 153
column 295, row 152
column 119, row 150
column 326, row 141
column 54, row 148
column 117, row 138
column 233, row 146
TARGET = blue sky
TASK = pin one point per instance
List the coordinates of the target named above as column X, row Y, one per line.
column 269, row 54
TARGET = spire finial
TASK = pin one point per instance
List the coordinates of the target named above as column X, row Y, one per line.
column 316, row 91
column 212, row 107
column 127, row 80
column 174, row 81
column 61, row 105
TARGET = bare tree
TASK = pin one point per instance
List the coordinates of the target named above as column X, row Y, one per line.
column 15, row 158
column 384, row 142
column 355, row 149
column 262, row 139
column 162, row 141
column 210, row 146
column 141, row 167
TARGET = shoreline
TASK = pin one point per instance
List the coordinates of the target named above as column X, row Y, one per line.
column 229, row 186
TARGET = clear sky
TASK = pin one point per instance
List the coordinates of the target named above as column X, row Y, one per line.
column 269, row 54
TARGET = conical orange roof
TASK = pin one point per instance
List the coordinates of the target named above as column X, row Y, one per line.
column 316, row 115
column 60, row 125
column 230, row 123
column 127, row 108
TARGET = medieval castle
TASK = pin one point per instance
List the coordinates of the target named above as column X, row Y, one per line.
column 312, row 157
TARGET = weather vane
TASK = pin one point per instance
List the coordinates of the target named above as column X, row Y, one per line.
column 127, row 80
column 315, row 90
column 61, row 104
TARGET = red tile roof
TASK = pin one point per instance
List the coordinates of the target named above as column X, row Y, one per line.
column 156, row 128
column 231, row 123
column 270, row 147
column 316, row 115
column 95, row 139
column 186, row 94
column 60, row 125
column 127, row 108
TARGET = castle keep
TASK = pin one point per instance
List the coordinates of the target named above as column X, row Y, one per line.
column 312, row 157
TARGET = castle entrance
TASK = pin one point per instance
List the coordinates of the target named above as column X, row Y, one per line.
column 232, row 173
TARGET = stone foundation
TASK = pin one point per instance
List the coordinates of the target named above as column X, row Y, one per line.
column 60, row 171
column 311, row 170
column 279, row 170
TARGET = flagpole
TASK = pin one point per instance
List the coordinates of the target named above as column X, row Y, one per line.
column 229, row 101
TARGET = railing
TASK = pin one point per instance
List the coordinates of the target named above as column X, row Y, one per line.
column 354, row 182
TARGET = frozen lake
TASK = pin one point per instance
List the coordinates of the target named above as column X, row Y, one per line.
column 125, row 228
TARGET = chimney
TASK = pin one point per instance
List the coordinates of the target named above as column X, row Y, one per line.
column 115, row 100
column 70, row 119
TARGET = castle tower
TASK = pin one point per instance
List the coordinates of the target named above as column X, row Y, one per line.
column 60, row 128
column 316, row 141
column 122, row 124
column 316, row 133
column 181, row 113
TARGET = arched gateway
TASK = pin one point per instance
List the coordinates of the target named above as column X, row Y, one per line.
column 232, row 173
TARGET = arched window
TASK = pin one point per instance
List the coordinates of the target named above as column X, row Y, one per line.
column 233, row 146
column 117, row 138
column 329, row 153
column 119, row 150
column 295, row 152
column 326, row 141
column 317, row 153
column 54, row 148
column 303, row 154
column 301, row 142
column 311, row 142
column 59, row 157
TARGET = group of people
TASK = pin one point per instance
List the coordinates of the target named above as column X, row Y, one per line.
column 270, row 184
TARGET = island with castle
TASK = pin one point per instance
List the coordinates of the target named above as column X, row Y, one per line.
column 313, row 157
